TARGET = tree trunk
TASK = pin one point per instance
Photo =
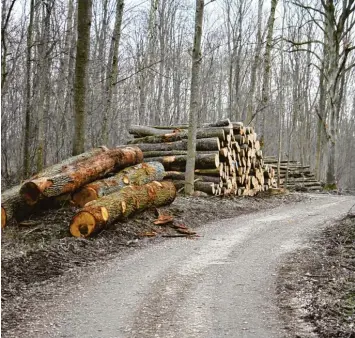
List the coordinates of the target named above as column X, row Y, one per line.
column 97, row 214
column 194, row 99
column 81, row 65
column 136, row 175
column 112, row 69
column 44, row 82
column 27, row 101
column 265, row 91
column 75, row 176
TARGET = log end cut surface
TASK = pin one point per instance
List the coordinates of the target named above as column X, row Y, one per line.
column 84, row 196
column 83, row 223
column 31, row 193
column 3, row 217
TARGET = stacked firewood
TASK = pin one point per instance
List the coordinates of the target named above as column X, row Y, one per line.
column 229, row 158
column 107, row 184
column 294, row 175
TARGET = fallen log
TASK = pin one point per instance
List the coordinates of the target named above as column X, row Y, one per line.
column 12, row 203
column 220, row 123
column 97, row 214
column 79, row 174
column 178, row 136
column 205, row 144
column 14, row 206
column 180, row 176
column 71, row 161
column 135, row 175
column 178, row 163
column 206, row 187
column 142, row 131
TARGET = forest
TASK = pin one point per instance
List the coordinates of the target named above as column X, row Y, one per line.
column 77, row 74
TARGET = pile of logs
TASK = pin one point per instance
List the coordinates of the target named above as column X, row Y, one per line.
column 108, row 184
column 229, row 160
column 294, row 175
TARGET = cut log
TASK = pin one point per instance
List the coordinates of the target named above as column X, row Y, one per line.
column 75, row 176
column 206, row 187
column 13, row 204
column 178, row 163
column 142, row 131
column 220, row 123
column 178, row 136
column 180, row 176
column 160, row 153
column 97, row 214
column 135, row 175
column 209, row 172
column 71, row 161
column 205, row 144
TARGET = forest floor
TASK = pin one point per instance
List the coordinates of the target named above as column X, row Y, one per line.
column 316, row 285
column 41, row 251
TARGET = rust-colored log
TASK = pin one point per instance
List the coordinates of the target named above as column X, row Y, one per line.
column 97, row 214
column 79, row 174
column 135, row 175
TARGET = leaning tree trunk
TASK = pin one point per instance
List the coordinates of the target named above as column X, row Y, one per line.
column 74, row 177
column 139, row 174
column 97, row 214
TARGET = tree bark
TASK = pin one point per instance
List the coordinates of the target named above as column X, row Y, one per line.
column 136, row 175
column 27, row 101
column 97, row 214
column 194, row 99
column 75, row 176
column 112, row 69
column 178, row 163
column 81, row 65
column 204, row 144
column 178, row 136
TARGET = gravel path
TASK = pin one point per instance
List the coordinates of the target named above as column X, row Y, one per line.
column 219, row 285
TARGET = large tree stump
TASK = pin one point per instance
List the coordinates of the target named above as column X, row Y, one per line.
column 97, row 214
column 135, row 175
column 79, row 174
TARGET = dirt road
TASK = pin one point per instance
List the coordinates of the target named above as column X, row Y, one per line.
column 219, row 285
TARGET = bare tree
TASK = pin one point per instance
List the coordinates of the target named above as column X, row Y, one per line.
column 82, row 58
column 194, row 99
